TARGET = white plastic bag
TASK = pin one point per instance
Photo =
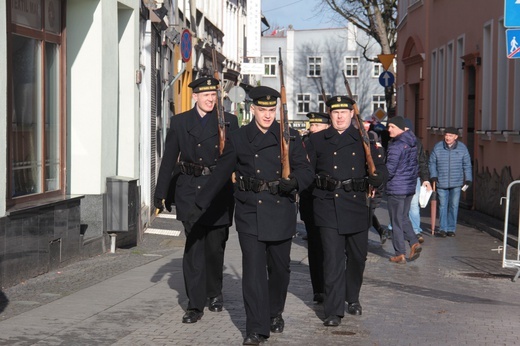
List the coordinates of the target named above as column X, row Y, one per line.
column 424, row 196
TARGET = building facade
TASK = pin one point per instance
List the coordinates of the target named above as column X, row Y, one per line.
column 453, row 72
column 87, row 89
column 316, row 60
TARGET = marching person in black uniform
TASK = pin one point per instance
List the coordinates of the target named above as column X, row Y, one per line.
column 265, row 214
column 318, row 122
column 340, row 206
column 192, row 144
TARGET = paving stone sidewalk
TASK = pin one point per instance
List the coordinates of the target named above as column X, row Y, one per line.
column 456, row 293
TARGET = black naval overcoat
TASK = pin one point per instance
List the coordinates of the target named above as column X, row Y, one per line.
column 342, row 157
column 251, row 153
column 189, row 141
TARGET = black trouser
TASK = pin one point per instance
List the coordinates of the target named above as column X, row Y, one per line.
column 315, row 252
column 342, row 282
column 264, row 293
column 203, row 262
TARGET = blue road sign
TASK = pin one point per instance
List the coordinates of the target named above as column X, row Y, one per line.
column 386, row 79
column 513, row 43
column 511, row 13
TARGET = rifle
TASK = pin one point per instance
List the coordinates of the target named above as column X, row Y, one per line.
column 323, row 95
column 220, row 109
column 362, row 131
column 284, row 123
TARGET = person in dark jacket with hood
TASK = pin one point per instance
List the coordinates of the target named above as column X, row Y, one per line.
column 402, row 165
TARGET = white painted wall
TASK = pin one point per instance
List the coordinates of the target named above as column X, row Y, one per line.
column 103, row 98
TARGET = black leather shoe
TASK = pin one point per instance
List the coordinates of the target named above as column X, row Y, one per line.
column 332, row 321
column 354, row 308
column 318, row 297
column 254, row 339
column 277, row 324
column 216, row 303
column 192, row 316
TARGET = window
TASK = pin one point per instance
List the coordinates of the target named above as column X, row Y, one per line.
column 378, row 69
column 314, row 66
column 304, row 101
column 378, row 101
column 269, row 66
column 351, row 66
column 36, row 112
column 322, row 107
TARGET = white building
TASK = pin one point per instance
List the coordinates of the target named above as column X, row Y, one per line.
column 312, row 58
column 87, row 88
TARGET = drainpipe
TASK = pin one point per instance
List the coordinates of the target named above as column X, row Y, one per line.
column 164, row 108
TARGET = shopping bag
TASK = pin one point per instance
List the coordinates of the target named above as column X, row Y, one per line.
column 424, row 196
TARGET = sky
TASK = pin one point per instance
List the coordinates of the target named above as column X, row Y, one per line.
column 302, row 14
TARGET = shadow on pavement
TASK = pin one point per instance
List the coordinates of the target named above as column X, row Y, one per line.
column 3, row 301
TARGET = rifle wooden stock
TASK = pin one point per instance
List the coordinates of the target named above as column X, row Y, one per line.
column 362, row 131
column 220, row 108
column 284, row 124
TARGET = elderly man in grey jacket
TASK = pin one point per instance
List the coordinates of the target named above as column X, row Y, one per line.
column 450, row 170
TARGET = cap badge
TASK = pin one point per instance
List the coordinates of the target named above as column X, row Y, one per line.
column 208, row 82
column 338, row 99
column 268, row 97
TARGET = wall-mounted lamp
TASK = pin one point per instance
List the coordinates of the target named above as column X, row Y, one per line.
column 479, row 60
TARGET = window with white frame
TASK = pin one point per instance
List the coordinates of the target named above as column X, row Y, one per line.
column 378, row 101
column 303, row 103
column 377, row 68
column 351, row 66
column 322, row 107
column 269, row 66
column 313, row 66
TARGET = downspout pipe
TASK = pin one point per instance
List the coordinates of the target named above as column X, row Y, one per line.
column 165, row 108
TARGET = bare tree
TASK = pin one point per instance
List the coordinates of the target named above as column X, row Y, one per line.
column 378, row 19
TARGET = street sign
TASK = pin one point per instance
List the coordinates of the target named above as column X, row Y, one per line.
column 386, row 79
column 237, row 94
column 186, row 45
column 513, row 45
column 511, row 13
column 252, row 68
column 380, row 114
column 386, row 60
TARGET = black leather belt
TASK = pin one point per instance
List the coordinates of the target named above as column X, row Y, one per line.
column 258, row 185
column 324, row 182
column 194, row 169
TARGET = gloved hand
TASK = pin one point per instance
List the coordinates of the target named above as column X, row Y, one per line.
column 158, row 203
column 375, row 180
column 288, row 185
column 434, row 180
column 467, row 182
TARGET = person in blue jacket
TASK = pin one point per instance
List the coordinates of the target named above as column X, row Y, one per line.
column 401, row 162
column 450, row 170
